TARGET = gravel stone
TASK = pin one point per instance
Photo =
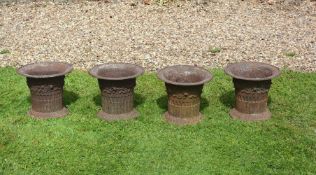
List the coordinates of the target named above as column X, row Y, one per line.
column 154, row 36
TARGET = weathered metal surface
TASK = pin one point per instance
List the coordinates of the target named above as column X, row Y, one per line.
column 184, row 102
column 252, row 81
column 184, row 86
column 117, row 96
column 253, row 71
column 46, row 81
column 117, row 82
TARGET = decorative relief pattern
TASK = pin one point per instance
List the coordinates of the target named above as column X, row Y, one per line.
column 250, row 87
column 46, row 93
column 183, row 101
column 117, row 95
column 117, row 90
column 251, row 96
column 45, row 90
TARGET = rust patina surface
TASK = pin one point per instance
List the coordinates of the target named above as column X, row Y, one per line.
column 252, row 81
column 184, row 86
column 46, row 81
column 117, row 83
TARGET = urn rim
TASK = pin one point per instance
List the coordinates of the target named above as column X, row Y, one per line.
column 187, row 75
column 116, row 71
column 252, row 71
column 47, row 69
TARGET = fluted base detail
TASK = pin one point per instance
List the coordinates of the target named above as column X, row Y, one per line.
column 183, row 121
column 114, row 117
column 46, row 115
column 250, row 117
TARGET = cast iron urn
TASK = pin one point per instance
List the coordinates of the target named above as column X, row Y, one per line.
column 117, row 82
column 252, row 81
column 46, row 81
column 184, row 86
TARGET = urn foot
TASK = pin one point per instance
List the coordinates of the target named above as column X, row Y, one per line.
column 183, row 121
column 113, row 117
column 250, row 117
column 46, row 115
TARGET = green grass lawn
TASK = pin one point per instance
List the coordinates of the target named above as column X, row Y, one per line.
column 81, row 143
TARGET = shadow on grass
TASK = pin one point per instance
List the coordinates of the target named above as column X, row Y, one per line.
column 69, row 97
column 163, row 102
column 228, row 99
column 138, row 99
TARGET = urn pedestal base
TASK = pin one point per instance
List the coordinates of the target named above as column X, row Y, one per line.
column 46, row 84
column 46, row 115
column 184, row 85
column 183, row 121
column 252, row 81
column 117, row 82
column 250, row 117
column 114, row 117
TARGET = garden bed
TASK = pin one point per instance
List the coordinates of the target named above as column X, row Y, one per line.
column 154, row 36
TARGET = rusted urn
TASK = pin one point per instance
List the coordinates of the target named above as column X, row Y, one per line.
column 117, row 82
column 252, row 81
column 46, row 81
column 184, row 86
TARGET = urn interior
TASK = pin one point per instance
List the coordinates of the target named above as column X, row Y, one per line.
column 254, row 71
column 45, row 69
column 184, row 75
column 116, row 71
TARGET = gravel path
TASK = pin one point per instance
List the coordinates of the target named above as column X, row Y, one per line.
column 154, row 36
